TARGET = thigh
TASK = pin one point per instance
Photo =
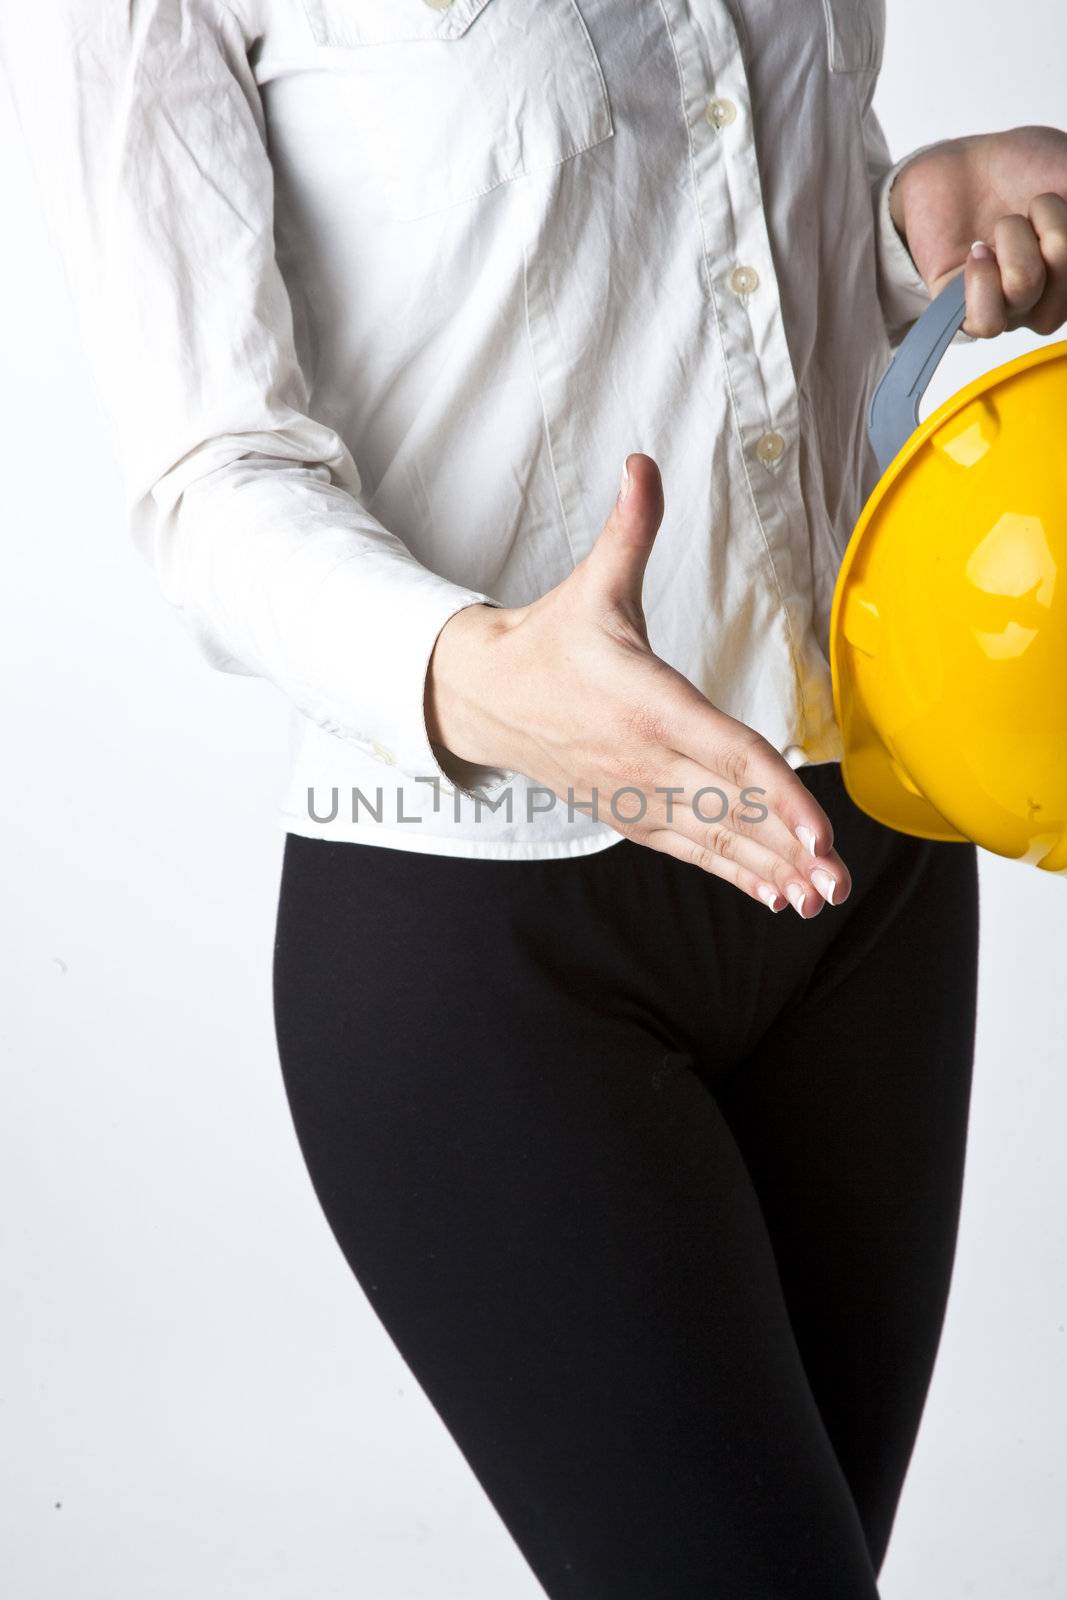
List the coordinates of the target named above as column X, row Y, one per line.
column 550, row 1217
column 851, row 1114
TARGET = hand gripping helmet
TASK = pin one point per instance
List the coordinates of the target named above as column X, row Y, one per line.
column 948, row 633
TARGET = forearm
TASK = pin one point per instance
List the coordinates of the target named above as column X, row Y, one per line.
column 148, row 140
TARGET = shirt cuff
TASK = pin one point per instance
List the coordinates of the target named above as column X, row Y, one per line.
column 901, row 288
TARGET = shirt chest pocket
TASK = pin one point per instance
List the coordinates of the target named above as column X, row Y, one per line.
column 855, row 34
column 451, row 98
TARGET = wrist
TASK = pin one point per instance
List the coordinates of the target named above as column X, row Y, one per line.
column 460, row 681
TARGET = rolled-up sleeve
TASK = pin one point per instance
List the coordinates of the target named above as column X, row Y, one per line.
column 146, row 132
column 902, row 291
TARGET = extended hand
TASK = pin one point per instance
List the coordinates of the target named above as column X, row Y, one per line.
column 1008, row 190
column 568, row 691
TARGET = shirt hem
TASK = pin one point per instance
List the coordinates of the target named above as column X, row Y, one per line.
column 441, row 845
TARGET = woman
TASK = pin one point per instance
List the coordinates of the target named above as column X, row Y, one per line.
column 655, row 1193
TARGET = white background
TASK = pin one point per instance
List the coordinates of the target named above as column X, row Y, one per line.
column 196, row 1397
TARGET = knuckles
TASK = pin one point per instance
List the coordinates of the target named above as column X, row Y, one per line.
column 698, row 856
column 986, row 326
column 720, row 841
column 1054, row 244
column 1022, row 283
column 628, row 766
column 1048, row 321
column 738, row 761
column 646, row 724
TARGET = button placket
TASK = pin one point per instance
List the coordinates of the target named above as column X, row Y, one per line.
column 748, row 313
column 754, row 342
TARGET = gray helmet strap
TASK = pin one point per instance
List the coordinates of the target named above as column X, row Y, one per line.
column 894, row 412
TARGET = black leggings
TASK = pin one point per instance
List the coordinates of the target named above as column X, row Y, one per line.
column 655, row 1192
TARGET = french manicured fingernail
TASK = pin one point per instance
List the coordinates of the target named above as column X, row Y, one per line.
column 825, row 884
column 981, row 251
column 770, row 897
column 796, row 898
column 807, row 838
column 624, row 481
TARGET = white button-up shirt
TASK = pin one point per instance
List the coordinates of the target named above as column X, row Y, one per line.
column 379, row 293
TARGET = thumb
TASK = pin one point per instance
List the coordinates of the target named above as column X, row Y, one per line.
column 616, row 563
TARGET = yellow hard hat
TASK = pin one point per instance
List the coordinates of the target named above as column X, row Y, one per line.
column 948, row 633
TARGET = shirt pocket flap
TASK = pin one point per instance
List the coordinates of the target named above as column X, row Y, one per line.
column 349, row 24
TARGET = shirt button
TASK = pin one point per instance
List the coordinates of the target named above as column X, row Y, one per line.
column 439, row 5
column 743, row 280
column 384, row 755
column 769, row 446
column 720, row 112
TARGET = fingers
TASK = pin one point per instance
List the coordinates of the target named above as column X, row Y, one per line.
column 746, row 826
column 1019, row 278
column 987, row 314
column 740, row 827
column 721, row 744
column 1048, row 218
column 672, row 843
column 732, row 804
